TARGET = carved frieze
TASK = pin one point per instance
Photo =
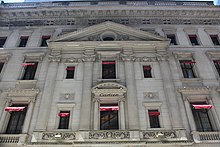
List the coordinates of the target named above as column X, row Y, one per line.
column 62, row 135
column 54, row 58
column 159, row 134
column 72, row 60
column 109, row 135
column 35, row 56
column 151, row 95
column 4, row 56
column 127, row 57
column 67, row 96
column 88, row 57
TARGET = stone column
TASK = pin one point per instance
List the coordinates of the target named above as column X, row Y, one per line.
column 133, row 117
column 85, row 111
column 215, row 101
column 122, row 114
column 204, row 37
column 3, row 117
column 190, row 115
column 28, row 117
column 96, row 114
column 184, row 38
column 47, row 96
column 170, row 93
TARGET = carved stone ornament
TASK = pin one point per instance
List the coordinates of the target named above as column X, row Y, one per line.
column 128, row 57
column 151, row 95
column 183, row 55
column 109, row 135
column 72, row 60
column 159, row 134
column 62, row 135
column 145, row 59
column 67, row 96
column 213, row 54
column 37, row 56
column 5, row 56
column 54, row 58
column 88, row 57
column 164, row 57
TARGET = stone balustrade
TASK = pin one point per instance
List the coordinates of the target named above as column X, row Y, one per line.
column 13, row 138
column 206, row 136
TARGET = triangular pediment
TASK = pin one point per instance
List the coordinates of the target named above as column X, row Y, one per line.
column 108, row 31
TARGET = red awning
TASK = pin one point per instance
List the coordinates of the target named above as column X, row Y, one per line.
column 189, row 62
column 70, row 68
column 202, row 106
column 64, row 114
column 147, row 68
column 108, row 108
column 14, row 109
column 28, row 64
column 108, row 62
column 46, row 37
column 154, row 113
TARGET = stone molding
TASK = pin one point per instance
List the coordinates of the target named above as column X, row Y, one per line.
column 127, row 57
column 159, row 134
column 34, row 56
column 62, row 135
column 4, row 56
column 145, row 59
column 213, row 54
column 109, row 135
column 195, row 90
column 183, row 55
column 72, row 60
column 88, row 57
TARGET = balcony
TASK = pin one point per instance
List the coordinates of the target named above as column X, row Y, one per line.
column 206, row 137
column 12, row 138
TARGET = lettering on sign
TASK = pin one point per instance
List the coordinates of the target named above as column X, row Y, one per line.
column 108, row 95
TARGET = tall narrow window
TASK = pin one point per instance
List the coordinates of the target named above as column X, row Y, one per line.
column 215, row 39
column 217, row 66
column 16, row 120
column 64, row 119
column 187, row 67
column 109, row 117
column 154, row 118
column 147, row 71
column 108, row 70
column 172, row 38
column 30, row 69
column 70, row 72
column 1, row 66
column 44, row 41
column 194, row 40
column 201, row 116
column 23, row 41
column 2, row 41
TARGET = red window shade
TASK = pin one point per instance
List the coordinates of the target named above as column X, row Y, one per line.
column 46, row 37
column 147, row 68
column 64, row 114
column 14, row 109
column 108, row 62
column 218, row 62
column 70, row 68
column 154, row 113
column 108, row 108
column 24, row 37
column 202, row 106
column 28, row 64
column 188, row 62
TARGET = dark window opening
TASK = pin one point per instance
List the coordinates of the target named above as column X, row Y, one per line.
column 16, row 121
column 215, row 39
column 202, row 119
column 193, row 39
column 108, row 70
column 70, row 72
column 147, row 71
column 108, row 39
column 187, row 68
column 64, row 119
column 1, row 66
column 109, row 117
column 44, row 41
column 2, row 41
column 154, row 118
column 173, row 39
column 30, row 69
column 23, row 41
column 217, row 66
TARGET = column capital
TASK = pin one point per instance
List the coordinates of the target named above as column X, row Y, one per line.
column 88, row 57
column 121, row 99
column 54, row 58
column 96, row 100
column 160, row 57
column 127, row 57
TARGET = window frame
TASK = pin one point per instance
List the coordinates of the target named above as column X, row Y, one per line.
column 175, row 38
column 23, row 70
column 20, row 40
column 197, row 39
column 156, row 118
column 67, row 71
column 151, row 69
column 67, row 124
column 42, row 37
column 217, row 37
column 3, row 37
column 66, row 65
column 192, row 68
column 106, row 60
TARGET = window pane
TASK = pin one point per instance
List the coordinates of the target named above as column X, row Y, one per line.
column 64, row 121
column 173, row 39
column 187, row 68
column 30, row 70
column 193, row 40
column 44, row 41
column 70, row 72
column 23, row 41
column 108, row 70
column 217, row 66
column 2, row 41
column 154, row 119
column 147, row 71
column 215, row 39
column 1, row 66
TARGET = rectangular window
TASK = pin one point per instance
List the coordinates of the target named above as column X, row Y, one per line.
column 70, row 72
column 2, row 41
column 201, row 117
column 16, row 119
column 154, row 118
column 172, row 38
column 194, row 40
column 217, row 66
column 215, row 39
column 187, row 68
column 109, row 117
column 44, row 41
column 30, row 69
column 64, row 119
column 1, row 66
column 23, row 41
column 108, row 70
column 147, row 71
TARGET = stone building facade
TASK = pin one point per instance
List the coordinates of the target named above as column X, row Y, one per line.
column 127, row 73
